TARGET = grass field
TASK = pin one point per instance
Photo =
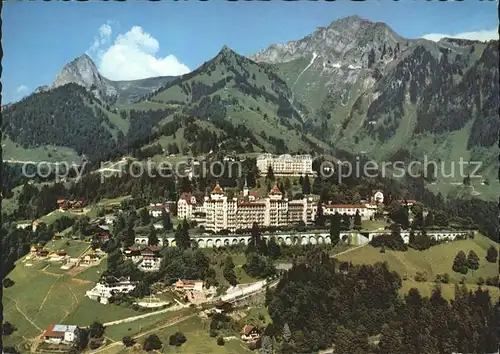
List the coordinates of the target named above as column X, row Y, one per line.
column 73, row 248
column 198, row 340
column 117, row 332
column 39, row 299
column 433, row 261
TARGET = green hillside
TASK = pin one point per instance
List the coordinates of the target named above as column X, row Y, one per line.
column 431, row 262
column 394, row 111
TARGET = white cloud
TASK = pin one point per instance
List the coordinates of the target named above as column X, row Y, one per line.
column 101, row 40
column 483, row 35
column 134, row 55
column 22, row 89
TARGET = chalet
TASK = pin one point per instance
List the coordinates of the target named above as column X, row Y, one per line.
column 133, row 253
column 150, row 259
column 157, row 210
column 378, row 197
column 196, row 285
column 35, row 249
column 42, row 253
column 74, row 205
column 105, row 288
column 90, row 259
column 250, row 332
column 36, row 224
column 61, row 253
column 110, row 219
column 407, row 202
column 57, row 333
column 223, row 306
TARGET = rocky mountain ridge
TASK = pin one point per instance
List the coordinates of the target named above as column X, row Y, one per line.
column 83, row 71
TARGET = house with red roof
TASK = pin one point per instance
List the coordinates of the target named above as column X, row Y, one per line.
column 58, row 333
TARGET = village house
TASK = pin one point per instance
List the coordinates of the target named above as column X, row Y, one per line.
column 150, row 259
column 89, row 259
column 196, row 285
column 133, row 253
column 250, row 332
column 378, row 197
column 223, row 306
column 104, row 289
column 58, row 333
column 73, row 205
column 366, row 211
column 408, row 202
column 157, row 210
column 109, row 219
column 36, row 224
column 35, row 250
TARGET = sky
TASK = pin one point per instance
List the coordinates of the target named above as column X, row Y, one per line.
column 132, row 40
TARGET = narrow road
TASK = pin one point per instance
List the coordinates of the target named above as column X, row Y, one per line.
column 135, row 318
column 349, row 250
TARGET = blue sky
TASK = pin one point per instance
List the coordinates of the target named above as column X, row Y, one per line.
column 175, row 37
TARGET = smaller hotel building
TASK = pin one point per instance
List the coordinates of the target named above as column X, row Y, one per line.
column 285, row 165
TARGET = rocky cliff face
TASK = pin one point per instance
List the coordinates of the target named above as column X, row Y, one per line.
column 83, row 71
column 350, row 41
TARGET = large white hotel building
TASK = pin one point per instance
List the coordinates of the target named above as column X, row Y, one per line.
column 286, row 165
column 224, row 213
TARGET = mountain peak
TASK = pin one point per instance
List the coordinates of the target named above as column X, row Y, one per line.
column 226, row 51
column 83, row 71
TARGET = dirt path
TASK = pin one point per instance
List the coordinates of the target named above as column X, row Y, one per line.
column 349, row 250
column 24, row 315
column 46, row 296
column 139, row 317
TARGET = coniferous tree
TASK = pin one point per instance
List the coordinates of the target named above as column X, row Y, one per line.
column 228, row 271
column 357, row 221
column 267, row 345
column 473, row 260
column 273, row 249
column 166, row 221
column 182, row 239
column 320, row 218
column 335, row 229
column 152, row 237
column 270, row 174
column 460, row 264
column 492, row 254
column 346, row 221
column 306, row 185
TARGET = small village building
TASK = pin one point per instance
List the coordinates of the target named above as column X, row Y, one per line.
column 90, row 259
column 223, row 306
column 157, row 210
column 58, row 333
column 150, row 259
column 42, row 253
column 196, row 285
column 35, row 249
column 133, row 253
column 378, row 197
column 250, row 332
column 36, row 224
column 104, row 289
column 109, row 219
